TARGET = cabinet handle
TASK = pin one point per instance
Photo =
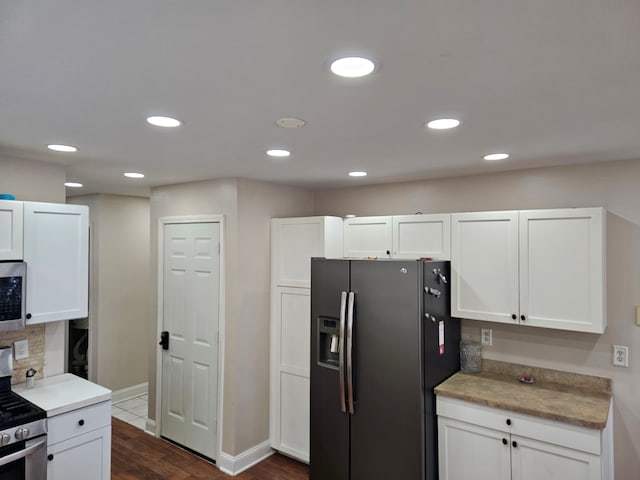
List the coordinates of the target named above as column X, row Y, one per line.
column 513, row 316
column 515, row 444
column 81, row 422
column 50, row 457
column 522, row 317
column 504, row 441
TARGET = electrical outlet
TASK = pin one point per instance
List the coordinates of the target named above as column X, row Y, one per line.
column 21, row 349
column 620, row 356
column 487, row 337
column 638, row 316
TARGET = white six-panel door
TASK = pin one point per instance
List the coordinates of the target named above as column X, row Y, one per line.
column 191, row 284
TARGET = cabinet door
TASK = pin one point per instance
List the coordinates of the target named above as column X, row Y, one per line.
column 290, row 356
column 467, row 451
column 418, row 236
column 56, row 250
column 562, row 269
column 484, row 266
column 295, row 240
column 533, row 460
column 81, row 457
column 368, row 237
column 10, row 230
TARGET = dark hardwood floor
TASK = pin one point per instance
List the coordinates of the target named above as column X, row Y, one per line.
column 137, row 455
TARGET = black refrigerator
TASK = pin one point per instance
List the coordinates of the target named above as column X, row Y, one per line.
column 381, row 340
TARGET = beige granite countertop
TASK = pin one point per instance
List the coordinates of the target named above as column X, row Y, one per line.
column 566, row 397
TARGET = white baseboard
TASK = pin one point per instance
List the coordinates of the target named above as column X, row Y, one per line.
column 150, row 427
column 129, row 392
column 234, row 465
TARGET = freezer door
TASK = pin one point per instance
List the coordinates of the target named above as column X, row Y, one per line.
column 329, row 442
column 387, row 426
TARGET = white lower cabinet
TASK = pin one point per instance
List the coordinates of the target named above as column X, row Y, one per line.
column 79, row 444
column 475, row 441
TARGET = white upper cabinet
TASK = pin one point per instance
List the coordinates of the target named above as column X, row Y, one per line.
column 10, row 230
column 422, row 236
column 542, row 268
column 563, row 268
column 398, row 236
column 295, row 240
column 368, row 237
column 56, row 250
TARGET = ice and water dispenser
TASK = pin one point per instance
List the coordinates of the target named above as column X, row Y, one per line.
column 329, row 341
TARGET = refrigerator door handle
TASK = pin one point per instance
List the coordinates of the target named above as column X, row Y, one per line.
column 350, row 352
column 343, row 311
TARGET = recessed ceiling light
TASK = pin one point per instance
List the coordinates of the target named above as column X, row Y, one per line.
column 134, row 175
column 357, row 174
column 352, row 67
column 166, row 122
column 496, row 156
column 62, row 148
column 278, row 153
column 290, row 122
column 443, row 123
column 72, row 184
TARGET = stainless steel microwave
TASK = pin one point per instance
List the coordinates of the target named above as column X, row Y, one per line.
column 13, row 283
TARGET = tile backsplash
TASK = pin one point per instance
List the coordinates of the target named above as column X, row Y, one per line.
column 35, row 335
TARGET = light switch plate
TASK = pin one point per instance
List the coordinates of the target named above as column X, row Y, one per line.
column 21, row 349
column 638, row 315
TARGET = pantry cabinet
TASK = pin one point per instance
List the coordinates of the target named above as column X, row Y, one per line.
column 543, row 268
column 56, row 251
column 476, row 441
column 10, row 230
column 398, row 236
column 293, row 242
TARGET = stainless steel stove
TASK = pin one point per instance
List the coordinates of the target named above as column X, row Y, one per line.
column 23, row 436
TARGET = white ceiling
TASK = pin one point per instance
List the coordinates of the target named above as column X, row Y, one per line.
column 552, row 82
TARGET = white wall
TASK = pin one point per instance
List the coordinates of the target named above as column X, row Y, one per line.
column 120, row 289
column 612, row 185
column 247, row 207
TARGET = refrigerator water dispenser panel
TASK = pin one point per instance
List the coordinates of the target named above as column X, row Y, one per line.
column 329, row 342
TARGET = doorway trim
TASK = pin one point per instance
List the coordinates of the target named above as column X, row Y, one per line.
column 162, row 221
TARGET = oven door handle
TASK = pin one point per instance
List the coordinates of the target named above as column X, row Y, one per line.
column 12, row 457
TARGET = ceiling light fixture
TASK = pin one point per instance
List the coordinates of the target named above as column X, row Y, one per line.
column 73, row 185
column 278, row 153
column 357, row 174
column 352, row 67
column 290, row 122
column 443, row 123
column 166, row 122
column 134, row 175
column 62, row 148
column 496, row 156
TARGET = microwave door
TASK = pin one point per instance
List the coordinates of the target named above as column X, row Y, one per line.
column 12, row 296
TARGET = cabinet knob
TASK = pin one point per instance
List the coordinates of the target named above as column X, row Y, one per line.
column 513, row 316
column 514, row 444
column 508, row 421
column 81, row 422
column 522, row 317
column 28, row 316
column 388, row 252
column 50, row 457
column 504, row 441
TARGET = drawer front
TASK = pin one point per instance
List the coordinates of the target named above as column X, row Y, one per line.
column 537, row 428
column 68, row 425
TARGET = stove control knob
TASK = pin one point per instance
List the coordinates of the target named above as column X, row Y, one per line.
column 5, row 438
column 22, row 433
